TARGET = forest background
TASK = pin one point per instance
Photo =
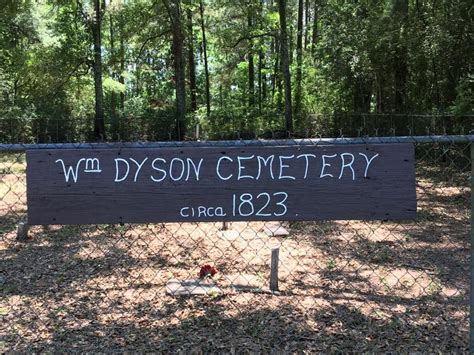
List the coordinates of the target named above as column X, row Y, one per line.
column 184, row 69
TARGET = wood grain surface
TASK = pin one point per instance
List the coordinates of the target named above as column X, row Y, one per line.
column 324, row 182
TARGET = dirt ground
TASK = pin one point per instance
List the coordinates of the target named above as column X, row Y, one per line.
column 344, row 285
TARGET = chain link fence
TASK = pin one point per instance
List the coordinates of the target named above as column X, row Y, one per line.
column 159, row 126
column 343, row 285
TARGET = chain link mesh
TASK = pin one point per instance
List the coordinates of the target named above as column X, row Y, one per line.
column 343, row 285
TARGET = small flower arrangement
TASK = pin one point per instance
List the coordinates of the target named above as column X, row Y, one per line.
column 207, row 271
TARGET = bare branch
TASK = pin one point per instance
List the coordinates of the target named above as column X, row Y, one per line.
column 148, row 40
column 68, row 77
column 272, row 34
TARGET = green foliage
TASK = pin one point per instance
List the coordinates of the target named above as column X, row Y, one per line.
column 464, row 103
column 16, row 124
column 384, row 57
column 135, row 107
column 113, row 86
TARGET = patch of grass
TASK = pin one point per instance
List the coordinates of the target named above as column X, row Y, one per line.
column 4, row 311
column 331, row 264
column 434, row 287
column 408, row 236
column 213, row 294
column 6, row 228
column 383, row 254
column 386, row 285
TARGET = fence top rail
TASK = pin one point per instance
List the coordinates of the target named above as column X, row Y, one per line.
column 237, row 143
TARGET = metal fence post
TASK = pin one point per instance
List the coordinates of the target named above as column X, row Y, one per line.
column 274, row 269
column 471, row 295
column 22, row 231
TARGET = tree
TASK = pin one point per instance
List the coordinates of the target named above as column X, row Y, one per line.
column 113, row 96
column 19, row 35
column 299, row 59
column 314, row 34
column 58, row 62
column 174, row 9
column 251, row 65
column 191, row 61
column 94, row 23
column 206, row 65
column 285, row 65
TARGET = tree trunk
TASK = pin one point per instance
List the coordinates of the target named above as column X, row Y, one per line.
column 122, row 61
column 436, row 83
column 285, row 65
column 206, row 66
column 380, row 97
column 314, row 37
column 299, row 59
column 99, row 125
column 400, row 15
column 138, row 75
column 362, row 94
column 251, row 75
column 191, row 62
column 274, row 52
column 113, row 96
column 291, row 40
column 179, row 68
column 277, row 87
column 251, row 68
column 261, row 81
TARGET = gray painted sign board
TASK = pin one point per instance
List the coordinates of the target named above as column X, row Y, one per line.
column 141, row 185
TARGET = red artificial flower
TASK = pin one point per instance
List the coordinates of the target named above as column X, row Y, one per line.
column 207, row 270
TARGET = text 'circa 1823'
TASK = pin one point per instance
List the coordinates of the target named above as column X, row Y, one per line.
column 139, row 185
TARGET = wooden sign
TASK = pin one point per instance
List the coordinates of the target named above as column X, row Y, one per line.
column 139, row 185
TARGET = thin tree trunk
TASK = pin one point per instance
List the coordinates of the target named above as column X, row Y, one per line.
column 261, row 81
column 291, row 42
column 314, row 37
column 277, row 87
column 251, row 68
column 99, row 125
column 191, row 62
column 251, row 75
column 285, row 65
column 299, row 59
column 436, row 83
column 138, row 75
column 113, row 96
column 380, row 98
column 206, row 66
column 179, row 66
column 400, row 14
column 362, row 94
column 274, row 52
column 122, row 61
